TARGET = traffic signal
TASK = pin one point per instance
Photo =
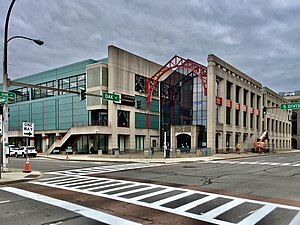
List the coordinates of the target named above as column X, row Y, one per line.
column 82, row 94
column 139, row 104
column 1, row 109
column 8, row 111
column 264, row 110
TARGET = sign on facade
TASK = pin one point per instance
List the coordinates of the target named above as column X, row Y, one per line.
column 28, row 129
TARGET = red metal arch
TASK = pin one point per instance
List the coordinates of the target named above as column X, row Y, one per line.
column 174, row 63
column 177, row 62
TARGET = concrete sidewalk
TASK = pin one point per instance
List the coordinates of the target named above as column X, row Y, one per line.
column 156, row 158
column 11, row 175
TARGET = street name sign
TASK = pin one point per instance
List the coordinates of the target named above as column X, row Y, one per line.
column 5, row 96
column 28, row 129
column 111, row 96
column 293, row 105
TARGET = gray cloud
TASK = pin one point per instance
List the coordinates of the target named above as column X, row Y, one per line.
column 258, row 37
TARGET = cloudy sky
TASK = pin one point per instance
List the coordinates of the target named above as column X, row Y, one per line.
column 260, row 38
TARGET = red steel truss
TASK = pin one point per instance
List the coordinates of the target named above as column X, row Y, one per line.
column 174, row 63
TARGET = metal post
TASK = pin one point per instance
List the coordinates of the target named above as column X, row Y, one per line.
column 5, row 79
column 27, row 148
column 165, row 144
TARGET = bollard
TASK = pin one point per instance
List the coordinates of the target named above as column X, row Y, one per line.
column 178, row 153
column 146, row 153
column 117, row 153
column 99, row 152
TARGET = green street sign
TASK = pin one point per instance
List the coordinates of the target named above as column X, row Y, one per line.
column 293, row 105
column 7, row 95
column 3, row 99
column 110, row 96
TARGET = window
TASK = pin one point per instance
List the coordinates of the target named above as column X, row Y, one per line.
column 123, row 118
column 41, row 92
column 245, row 97
column 252, row 99
column 74, row 83
column 245, row 119
column 228, row 90
column 104, row 76
column 237, row 117
column 228, row 111
column 139, row 142
column 140, row 85
column 237, row 95
column 22, row 94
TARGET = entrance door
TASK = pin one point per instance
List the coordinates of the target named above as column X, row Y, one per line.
column 184, row 142
column 154, row 142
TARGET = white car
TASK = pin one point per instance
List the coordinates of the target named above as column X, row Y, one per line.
column 13, row 151
column 9, row 149
column 23, row 151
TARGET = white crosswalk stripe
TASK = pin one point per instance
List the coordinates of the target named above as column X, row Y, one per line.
column 105, row 169
column 198, row 205
column 295, row 164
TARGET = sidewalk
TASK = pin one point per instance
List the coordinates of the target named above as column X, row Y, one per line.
column 12, row 175
column 156, row 158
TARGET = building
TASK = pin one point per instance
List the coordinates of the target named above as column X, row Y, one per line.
column 294, row 97
column 181, row 105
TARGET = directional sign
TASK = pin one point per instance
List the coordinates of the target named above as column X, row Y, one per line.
column 111, row 96
column 28, row 129
column 293, row 105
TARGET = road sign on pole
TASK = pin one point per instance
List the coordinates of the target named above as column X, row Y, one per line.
column 293, row 105
column 111, row 96
column 28, row 129
column 6, row 96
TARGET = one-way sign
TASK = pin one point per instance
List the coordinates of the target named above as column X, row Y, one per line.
column 28, row 129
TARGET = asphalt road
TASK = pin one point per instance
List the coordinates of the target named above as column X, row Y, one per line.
column 259, row 190
column 267, row 176
column 46, row 165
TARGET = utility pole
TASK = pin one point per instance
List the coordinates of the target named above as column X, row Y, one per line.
column 5, row 88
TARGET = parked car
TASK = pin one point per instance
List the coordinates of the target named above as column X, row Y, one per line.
column 55, row 151
column 185, row 149
column 69, row 150
column 23, row 151
column 7, row 150
column 13, row 151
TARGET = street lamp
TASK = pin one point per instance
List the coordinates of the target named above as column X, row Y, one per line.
column 5, row 81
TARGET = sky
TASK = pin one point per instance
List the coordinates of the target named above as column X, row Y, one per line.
column 260, row 38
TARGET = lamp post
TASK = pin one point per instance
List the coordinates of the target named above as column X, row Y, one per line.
column 5, row 81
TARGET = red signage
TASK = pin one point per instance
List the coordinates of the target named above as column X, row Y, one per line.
column 237, row 106
column 245, row 109
column 218, row 100
column 228, row 103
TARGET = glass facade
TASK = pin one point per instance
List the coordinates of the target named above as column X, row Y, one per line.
column 37, row 93
column 74, row 83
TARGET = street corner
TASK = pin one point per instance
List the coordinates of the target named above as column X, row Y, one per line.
column 10, row 176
